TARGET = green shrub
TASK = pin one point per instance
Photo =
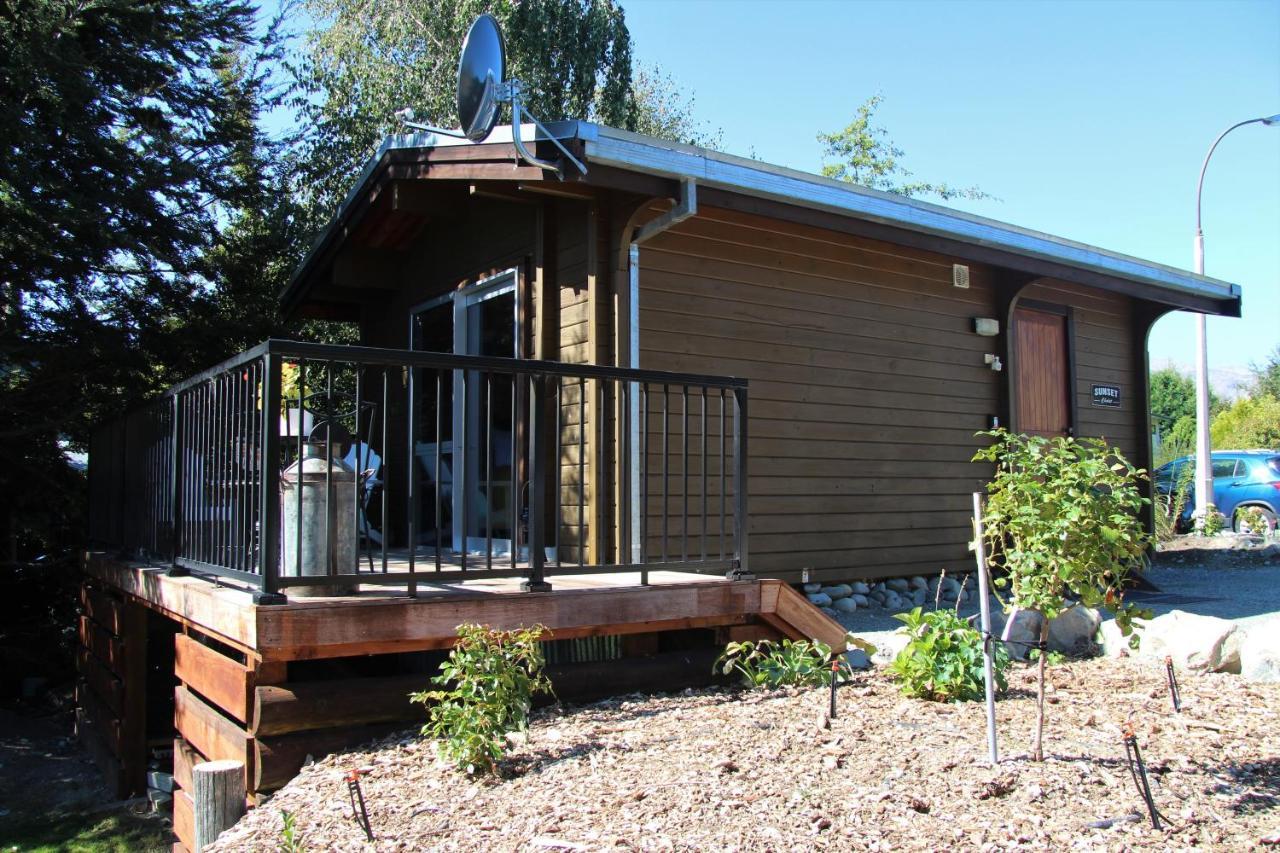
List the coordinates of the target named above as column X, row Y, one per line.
column 1214, row 521
column 1252, row 520
column 942, row 660
column 1063, row 522
column 490, row 680
column 290, row 839
column 1169, row 508
column 769, row 664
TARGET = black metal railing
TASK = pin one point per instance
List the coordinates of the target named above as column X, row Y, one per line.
column 308, row 465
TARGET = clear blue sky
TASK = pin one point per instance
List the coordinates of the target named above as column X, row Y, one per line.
column 1089, row 120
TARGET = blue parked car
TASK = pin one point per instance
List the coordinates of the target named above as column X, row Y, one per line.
column 1241, row 478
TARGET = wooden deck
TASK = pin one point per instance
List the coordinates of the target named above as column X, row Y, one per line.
column 268, row 685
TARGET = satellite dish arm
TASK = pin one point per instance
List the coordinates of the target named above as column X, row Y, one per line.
column 525, row 154
column 406, row 118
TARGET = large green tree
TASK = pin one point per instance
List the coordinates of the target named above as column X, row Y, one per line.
column 862, row 153
column 364, row 61
column 129, row 132
column 1266, row 376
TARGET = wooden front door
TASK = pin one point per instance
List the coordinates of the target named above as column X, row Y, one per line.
column 1042, row 373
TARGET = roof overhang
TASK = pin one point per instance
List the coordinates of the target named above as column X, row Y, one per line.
column 888, row 215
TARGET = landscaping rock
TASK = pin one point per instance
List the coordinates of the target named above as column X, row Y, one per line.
column 918, row 582
column 1024, row 632
column 860, row 588
column 1073, row 631
column 812, row 588
column 1112, row 643
column 819, row 599
column 1196, row 643
column 919, row 596
column 845, row 605
column 950, row 588
column 898, row 584
column 888, row 644
column 838, row 591
column 830, row 611
column 1260, row 652
column 859, row 599
column 857, row 659
column 893, row 602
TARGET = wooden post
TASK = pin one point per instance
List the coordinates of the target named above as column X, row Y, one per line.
column 219, row 798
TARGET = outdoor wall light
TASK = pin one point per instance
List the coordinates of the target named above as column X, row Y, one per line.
column 993, row 361
column 988, row 327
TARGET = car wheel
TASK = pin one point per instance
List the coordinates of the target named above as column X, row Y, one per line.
column 1267, row 515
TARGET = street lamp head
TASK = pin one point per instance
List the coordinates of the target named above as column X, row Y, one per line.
column 1270, row 120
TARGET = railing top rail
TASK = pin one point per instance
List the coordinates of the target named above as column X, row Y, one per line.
column 251, row 354
column 414, row 358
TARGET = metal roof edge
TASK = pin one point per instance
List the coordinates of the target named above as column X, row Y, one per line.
column 623, row 149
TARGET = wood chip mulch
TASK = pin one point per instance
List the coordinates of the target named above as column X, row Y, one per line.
column 735, row 770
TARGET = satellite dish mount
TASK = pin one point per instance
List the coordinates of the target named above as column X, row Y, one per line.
column 481, row 93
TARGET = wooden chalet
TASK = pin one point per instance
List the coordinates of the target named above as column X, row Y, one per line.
column 632, row 405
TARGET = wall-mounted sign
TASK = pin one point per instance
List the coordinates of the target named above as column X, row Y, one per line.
column 1107, row 396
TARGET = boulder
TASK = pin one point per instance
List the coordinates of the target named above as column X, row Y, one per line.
column 1113, row 644
column 1260, row 652
column 1196, row 643
column 845, row 605
column 1073, row 631
column 842, row 590
column 819, row 599
column 898, row 584
column 1022, row 635
column 857, row 659
column 888, row 645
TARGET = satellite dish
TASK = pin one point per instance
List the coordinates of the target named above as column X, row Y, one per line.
column 480, row 75
column 481, row 93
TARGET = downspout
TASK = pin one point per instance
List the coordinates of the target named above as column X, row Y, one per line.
column 686, row 206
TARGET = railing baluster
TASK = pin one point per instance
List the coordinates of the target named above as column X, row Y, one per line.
column 740, row 478
column 702, row 459
column 556, row 471
column 722, row 494
column 411, row 481
column 488, row 471
column 270, row 500
column 463, row 470
column 330, row 552
column 386, row 463
column 644, row 475
column 436, row 476
column 684, row 475
column 666, row 450
column 297, row 533
column 515, row 477
column 360, row 458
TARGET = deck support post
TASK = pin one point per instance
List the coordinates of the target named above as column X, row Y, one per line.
column 219, row 795
column 537, row 486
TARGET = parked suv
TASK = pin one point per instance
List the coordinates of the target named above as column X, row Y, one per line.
column 1241, row 478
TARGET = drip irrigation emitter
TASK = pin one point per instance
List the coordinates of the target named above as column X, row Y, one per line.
column 1174, row 695
column 357, row 802
column 1138, row 770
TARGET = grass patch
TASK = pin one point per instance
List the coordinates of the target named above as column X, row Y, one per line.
column 96, row 832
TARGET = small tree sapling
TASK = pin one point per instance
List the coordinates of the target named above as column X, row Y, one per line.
column 1062, row 522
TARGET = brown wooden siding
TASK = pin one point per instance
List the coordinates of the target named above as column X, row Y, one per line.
column 867, row 385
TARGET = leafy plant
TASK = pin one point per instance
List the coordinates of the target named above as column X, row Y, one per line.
column 1214, row 521
column 1252, row 520
column 769, row 664
column 489, row 683
column 1062, row 521
column 1171, row 506
column 290, row 839
column 1054, row 657
column 942, row 660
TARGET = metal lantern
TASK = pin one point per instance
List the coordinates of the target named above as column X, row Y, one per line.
column 317, row 499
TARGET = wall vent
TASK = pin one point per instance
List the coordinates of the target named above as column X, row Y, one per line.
column 960, row 275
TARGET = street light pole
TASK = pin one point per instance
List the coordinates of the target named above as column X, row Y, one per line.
column 1204, row 451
